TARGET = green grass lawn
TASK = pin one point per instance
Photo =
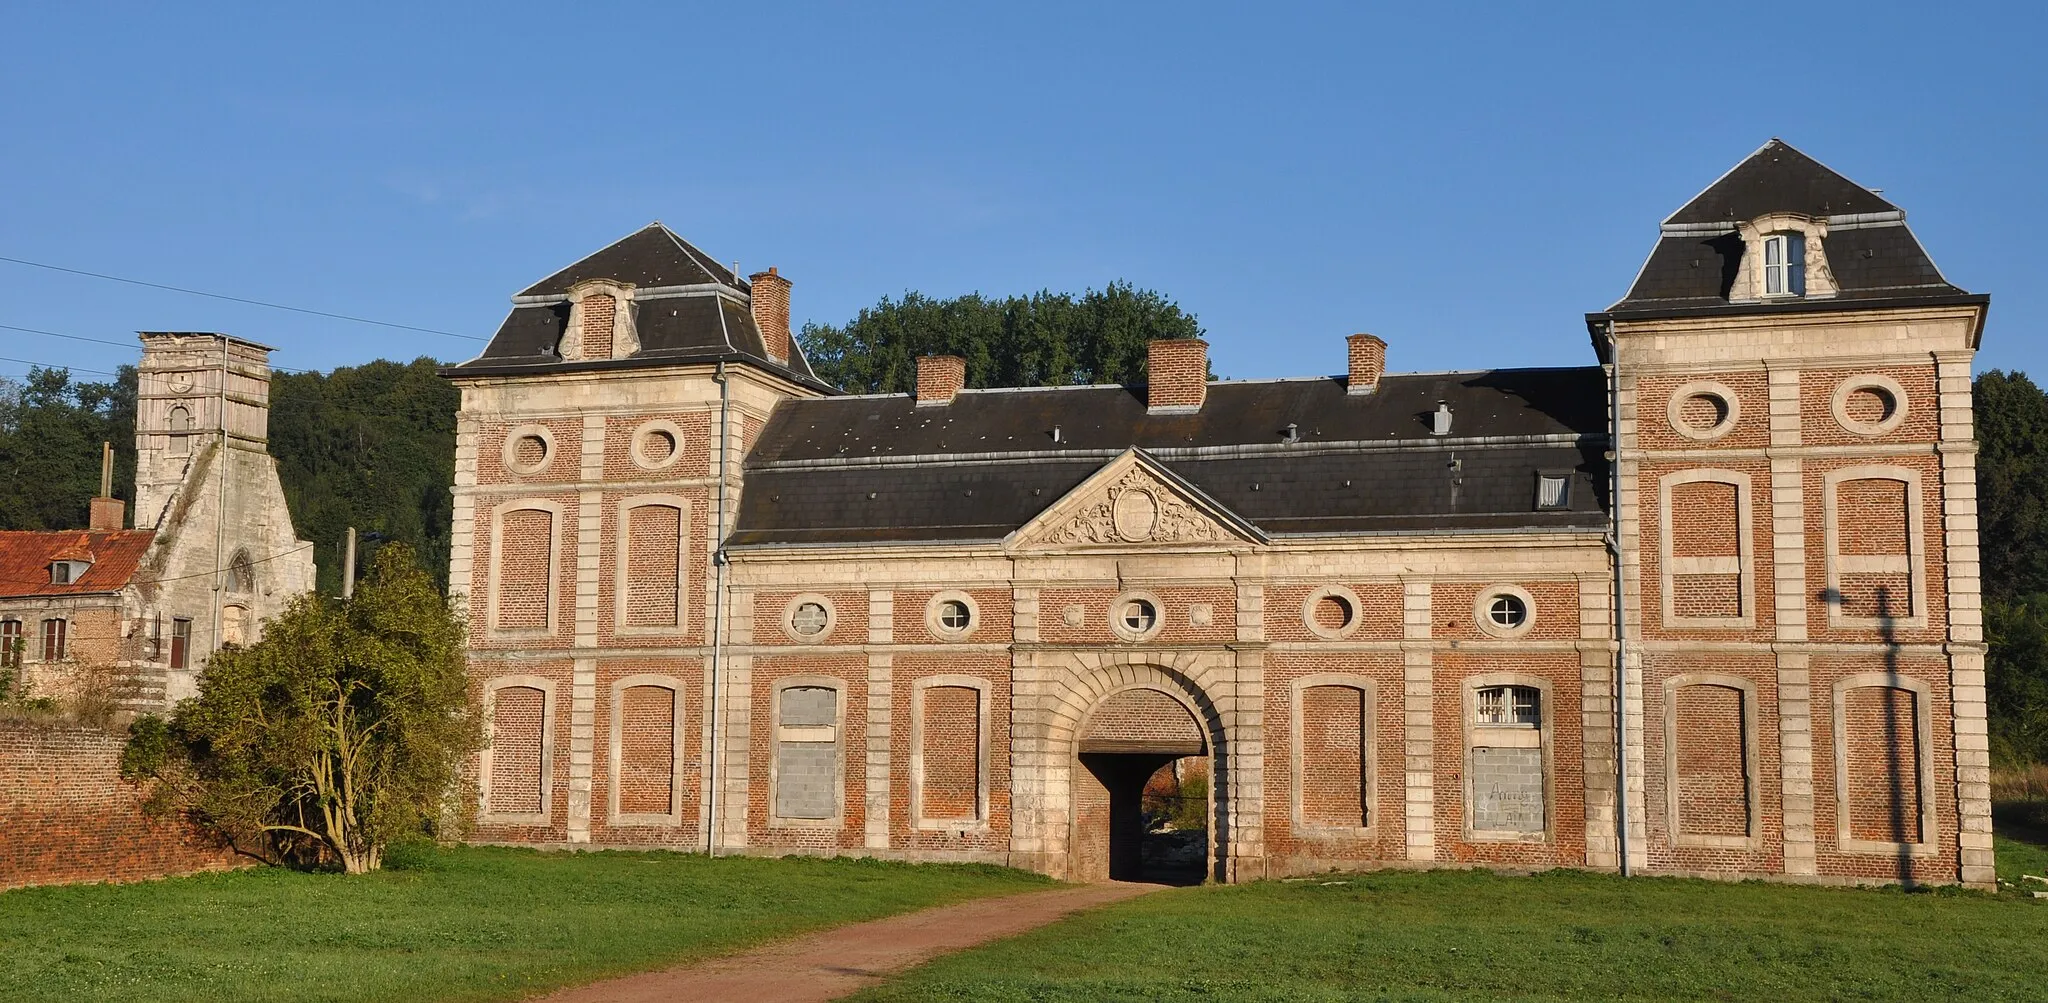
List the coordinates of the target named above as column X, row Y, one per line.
column 1471, row 935
column 475, row 923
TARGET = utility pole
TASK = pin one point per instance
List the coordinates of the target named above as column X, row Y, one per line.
column 348, row 566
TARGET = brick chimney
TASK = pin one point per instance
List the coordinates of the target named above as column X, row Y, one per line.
column 939, row 379
column 1368, row 363
column 106, row 513
column 771, row 313
column 1177, row 375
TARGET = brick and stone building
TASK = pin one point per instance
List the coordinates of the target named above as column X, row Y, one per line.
column 1709, row 606
column 212, row 553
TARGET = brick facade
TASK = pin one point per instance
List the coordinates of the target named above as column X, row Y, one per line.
column 1790, row 603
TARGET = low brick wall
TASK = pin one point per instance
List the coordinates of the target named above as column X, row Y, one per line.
column 67, row 816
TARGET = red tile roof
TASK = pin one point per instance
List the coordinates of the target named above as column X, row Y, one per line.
column 26, row 555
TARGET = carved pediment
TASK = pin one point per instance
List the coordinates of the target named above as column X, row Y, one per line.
column 1131, row 502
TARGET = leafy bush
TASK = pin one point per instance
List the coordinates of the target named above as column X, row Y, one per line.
column 339, row 733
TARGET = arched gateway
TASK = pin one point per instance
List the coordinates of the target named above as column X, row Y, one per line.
column 1127, row 739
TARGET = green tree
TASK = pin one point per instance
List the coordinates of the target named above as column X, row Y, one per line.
column 341, row 731
column 51, row 427
column 2012, row 517
column 369, row 446
column 1045, row 339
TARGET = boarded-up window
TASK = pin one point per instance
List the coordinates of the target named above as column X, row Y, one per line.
column 1873, row 548
column 1711, row 788
column 1881, row 732
column 525, row 555
column 1335, row 728
column 1706, row 550
column 653, row 566
column 807, row 753
column 647, row 750
column 951, row 753
column 517, row 736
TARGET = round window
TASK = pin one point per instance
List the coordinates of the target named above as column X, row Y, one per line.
column 528, row 449
column 657, row 444
column 1871, row 404
column 809, row 619
column 1139, row 616
column 953, row 615
column 1331, row 612
column 1703, row 410
column 1507, row 612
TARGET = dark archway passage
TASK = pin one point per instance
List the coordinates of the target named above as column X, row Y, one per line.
column 1131, row 736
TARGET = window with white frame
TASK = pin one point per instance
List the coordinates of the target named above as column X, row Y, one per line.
column 10, row 644
column 1784, row 264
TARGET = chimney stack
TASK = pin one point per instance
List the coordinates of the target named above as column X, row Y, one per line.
column 771, row 313
column 1177, row 375
column 107, row 513
column 939, row 379
column 1368, row 363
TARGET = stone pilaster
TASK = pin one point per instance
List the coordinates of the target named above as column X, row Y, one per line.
column 462, row 535
column 1419, row 727
column 881, row 707
column 1958, row 451
column 1024, row 611
column 1795, row 757
column 1596, row 719
column 1242, row 705
column 582, row 736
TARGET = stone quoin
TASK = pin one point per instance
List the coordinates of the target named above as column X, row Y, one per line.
column 716, row 604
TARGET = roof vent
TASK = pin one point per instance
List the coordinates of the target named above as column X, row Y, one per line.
column 1291, row 434
column 1440, row 422
column 939, row 379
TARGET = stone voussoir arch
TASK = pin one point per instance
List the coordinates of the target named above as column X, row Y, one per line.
column 1084, row 680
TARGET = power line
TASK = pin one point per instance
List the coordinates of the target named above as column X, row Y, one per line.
column 45, row 365
column 239, row 299
column 103, row 341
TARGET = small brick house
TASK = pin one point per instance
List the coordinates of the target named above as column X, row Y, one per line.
column 212, row 553
column 716, row 604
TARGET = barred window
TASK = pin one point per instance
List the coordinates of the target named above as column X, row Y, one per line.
column 1510, row 705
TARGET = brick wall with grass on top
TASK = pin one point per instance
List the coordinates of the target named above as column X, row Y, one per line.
column 66, row 816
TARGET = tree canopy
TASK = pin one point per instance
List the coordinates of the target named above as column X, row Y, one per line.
column 369, row 446
column 51, row 427
column 1044, row 339
column 341, row 731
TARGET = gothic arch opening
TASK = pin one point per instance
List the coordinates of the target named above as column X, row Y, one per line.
column 1142, row 804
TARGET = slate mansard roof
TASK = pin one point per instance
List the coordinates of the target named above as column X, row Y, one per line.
column 687, row 308
column 1875, row 259
column 868, row 469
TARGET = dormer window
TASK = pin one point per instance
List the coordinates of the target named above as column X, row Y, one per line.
column 1784, row 264
column 67, row 572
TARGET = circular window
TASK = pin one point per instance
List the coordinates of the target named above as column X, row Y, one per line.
column 1135, row 616
column 951, row 614
column 529, row 449
column 1504, row 610
column 1331, row 612
column 808, row 617
column 1704, row 410
column 657, row 444
column 1871, row 404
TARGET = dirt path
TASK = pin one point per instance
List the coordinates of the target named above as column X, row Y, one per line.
column 834, row 963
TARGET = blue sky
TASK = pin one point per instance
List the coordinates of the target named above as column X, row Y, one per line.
column 1465, row 181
